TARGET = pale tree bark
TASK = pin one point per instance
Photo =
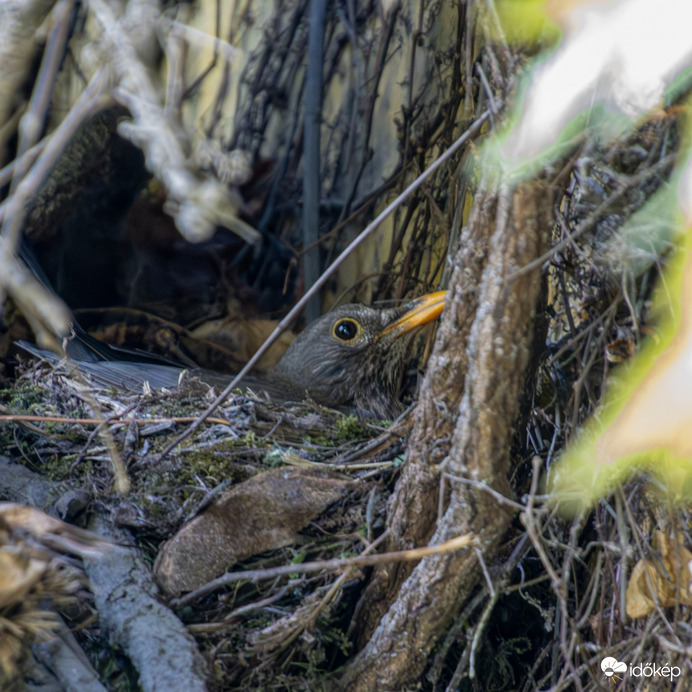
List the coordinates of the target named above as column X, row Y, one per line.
column 464, row 428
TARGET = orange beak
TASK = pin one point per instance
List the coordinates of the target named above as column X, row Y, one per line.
column 422, row 310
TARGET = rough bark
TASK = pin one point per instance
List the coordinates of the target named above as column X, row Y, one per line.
column 464, row 428
column 414, row 504
column 164, row 653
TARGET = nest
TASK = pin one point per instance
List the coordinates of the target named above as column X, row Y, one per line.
column 250, row 628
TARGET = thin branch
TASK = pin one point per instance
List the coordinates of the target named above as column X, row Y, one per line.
column 450, row 546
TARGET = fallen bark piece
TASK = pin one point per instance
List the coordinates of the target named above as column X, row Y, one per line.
column 263, row 513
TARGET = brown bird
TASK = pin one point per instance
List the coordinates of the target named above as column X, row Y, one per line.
column 350, row 359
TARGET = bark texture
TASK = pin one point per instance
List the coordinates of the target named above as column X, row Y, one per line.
column 463, row 428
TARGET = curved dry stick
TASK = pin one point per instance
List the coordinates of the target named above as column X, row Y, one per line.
column 449, row 546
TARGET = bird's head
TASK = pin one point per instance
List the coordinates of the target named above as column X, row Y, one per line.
column 352, row 356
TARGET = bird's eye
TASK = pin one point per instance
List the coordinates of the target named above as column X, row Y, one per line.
column 346, row 330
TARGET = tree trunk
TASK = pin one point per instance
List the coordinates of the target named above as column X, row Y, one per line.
column 464, row 428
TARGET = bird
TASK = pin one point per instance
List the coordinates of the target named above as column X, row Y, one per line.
column 348, row 359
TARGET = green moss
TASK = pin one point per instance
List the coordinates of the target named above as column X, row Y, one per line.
column 320, row 440
column 349, row 428
column 21, row 397
column 59, row 467
column 249, row 439
column 273, row 457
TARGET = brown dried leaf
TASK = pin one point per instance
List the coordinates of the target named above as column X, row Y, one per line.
column 652, row 583
column 30, row 575
column 18, row 575
column 12, row 652
column 242, row 337
column 638, row 600
column 261, row 514
column 50, row 531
